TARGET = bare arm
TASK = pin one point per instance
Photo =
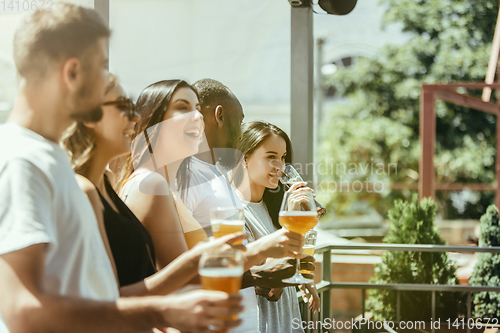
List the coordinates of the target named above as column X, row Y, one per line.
column 168, row 279
column 158, row 214
column 180, row 271
column 26, row 308
column 172, row 277
column 89, row 189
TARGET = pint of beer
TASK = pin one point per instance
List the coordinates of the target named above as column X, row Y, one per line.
column 227, row 221
column 227, row 279
column 222, row 271
column 298, row 221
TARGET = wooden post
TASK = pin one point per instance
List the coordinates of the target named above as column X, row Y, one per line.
column 426, row 186
column 497, row 165
column 493, row 63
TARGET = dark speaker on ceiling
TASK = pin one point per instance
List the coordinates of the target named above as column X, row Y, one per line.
column 338, row 7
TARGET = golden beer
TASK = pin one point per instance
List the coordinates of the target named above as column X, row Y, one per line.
column 309, row 250
column 225, row 227
column 298, row 221
column 226, row 279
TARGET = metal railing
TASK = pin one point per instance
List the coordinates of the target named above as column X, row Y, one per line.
column 326, row 285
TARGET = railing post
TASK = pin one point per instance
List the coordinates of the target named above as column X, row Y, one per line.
column 469, row 311
column 433, row 313
column 363, row 298
column 398, row 305
column 309, row 312
column 326, row 272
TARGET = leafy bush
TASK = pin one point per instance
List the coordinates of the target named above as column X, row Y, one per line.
column 413, row 223
column 487, row 270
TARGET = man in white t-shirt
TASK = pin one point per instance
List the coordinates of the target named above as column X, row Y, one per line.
column 209, row 187
column 55, row 275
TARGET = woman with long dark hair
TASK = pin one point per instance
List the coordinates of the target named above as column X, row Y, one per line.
column 266, row 150
column 168, row 133
column 91, row 147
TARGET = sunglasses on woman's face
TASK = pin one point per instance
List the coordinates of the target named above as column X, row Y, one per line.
column 125, row 105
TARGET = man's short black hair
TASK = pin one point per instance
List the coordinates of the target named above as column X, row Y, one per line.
column 212, row 93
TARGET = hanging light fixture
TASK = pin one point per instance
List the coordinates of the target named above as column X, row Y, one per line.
column 338, row 7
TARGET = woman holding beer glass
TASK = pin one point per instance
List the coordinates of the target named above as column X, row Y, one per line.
column 168, row 134
column 266, row 149
column 91, row 147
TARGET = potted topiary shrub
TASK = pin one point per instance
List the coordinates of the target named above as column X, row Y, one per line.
column 413, row 223
column 487, row 269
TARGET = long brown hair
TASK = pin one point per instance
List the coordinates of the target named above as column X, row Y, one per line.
column 79, row 141
column 152, row 104
column 254, row 134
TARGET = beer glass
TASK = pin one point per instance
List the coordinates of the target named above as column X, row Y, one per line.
column 298, row 214
column 222, row 271
column 227, row 220
column 291, row 176
column 309, row 246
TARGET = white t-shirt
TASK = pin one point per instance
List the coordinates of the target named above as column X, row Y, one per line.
column 40, row 202
column 209, row 189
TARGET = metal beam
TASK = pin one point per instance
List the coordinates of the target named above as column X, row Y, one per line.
column 427, row 143
column 320, row 96
column 102, row 7
column 466, row 85
column 301, row 102
column 468, row 101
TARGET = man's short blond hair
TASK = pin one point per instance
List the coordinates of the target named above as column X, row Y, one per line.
column 47, row 37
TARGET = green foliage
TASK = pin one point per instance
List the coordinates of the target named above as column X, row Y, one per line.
column 379, row 123
column 413, row 223
column 487, row 269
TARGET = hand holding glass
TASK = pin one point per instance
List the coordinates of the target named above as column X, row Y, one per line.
column 222, row 271
column 290, row 176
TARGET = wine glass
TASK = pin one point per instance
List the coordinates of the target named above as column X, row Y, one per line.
column 290, row 176
column 298, row 214
column 309, row 246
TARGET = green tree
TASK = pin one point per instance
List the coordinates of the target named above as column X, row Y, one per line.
column 450, row 41
column 487, row 269
column 413, row 223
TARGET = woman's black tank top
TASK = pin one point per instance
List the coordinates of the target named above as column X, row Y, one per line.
column 130, row 242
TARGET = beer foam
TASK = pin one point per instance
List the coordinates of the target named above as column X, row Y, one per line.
column 232, row 222
column 221, row 271
column 227, row 222
column 308, row 246
column 298, row 213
